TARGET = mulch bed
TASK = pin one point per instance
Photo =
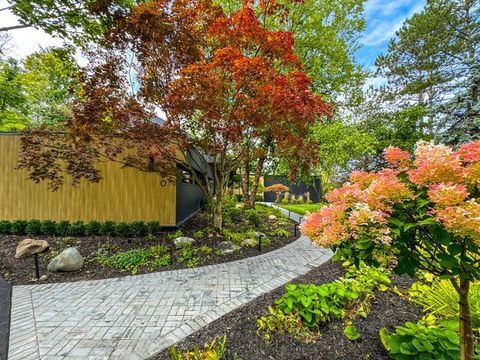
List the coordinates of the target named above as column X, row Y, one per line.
column 240, row 327
column 21, row 271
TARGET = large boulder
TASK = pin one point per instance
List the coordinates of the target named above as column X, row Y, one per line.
column 227, row 247
column 68, row 260
column 183, row 240
column 29, row 247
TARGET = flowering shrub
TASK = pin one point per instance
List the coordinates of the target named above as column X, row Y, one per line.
column 423, row 212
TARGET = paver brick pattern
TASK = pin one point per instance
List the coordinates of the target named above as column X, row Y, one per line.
column 134, row 317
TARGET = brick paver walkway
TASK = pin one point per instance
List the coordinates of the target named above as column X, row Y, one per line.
column 135, row 317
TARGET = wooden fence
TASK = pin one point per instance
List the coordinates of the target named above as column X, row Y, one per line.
column 124, row 194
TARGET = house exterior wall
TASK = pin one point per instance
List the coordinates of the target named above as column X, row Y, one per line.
column 124, row 194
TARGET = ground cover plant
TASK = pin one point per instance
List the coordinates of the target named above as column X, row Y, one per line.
column 304, row 308
column 116, row 249
column 421, row 213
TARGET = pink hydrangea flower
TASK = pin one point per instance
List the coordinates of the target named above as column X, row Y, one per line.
column 447, row 194
column 325, row 226
column 462, row 220
column 470, row 152
column 435, row 164
column 396, row 157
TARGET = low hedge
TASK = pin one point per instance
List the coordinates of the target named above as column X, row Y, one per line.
column 79, row 228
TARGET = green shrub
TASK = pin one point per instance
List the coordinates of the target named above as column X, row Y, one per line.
column 17, row 227
column 48, row 227
column 76, row 229
column 62, row 227
column 92, row 228
column 313, row 305
column 107, row 228
column 138, row 229
column 212, row 351
column 122, row 229
column 417, row 341
column 153, row 227
column 5, row 227
column 153, row 258
column 281, row 232
column 192, row 255
column 253, row 216
column 173, row 235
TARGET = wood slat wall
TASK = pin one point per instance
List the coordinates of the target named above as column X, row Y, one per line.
column 124, row 194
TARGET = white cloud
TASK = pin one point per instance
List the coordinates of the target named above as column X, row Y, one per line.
column 383, row 25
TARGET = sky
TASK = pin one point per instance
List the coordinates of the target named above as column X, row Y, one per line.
column 384, row 17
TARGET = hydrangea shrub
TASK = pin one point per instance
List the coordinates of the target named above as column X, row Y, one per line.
column 422, row 212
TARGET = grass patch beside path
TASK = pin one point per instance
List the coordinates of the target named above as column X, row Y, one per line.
column 302, row 208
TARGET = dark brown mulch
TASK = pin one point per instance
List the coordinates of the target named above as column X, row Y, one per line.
column 243, row 342
column 21, row 271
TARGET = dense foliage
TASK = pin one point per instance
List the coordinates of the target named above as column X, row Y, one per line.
column 422, row 213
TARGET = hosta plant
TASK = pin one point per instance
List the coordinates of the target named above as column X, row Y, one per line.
column 422, row 212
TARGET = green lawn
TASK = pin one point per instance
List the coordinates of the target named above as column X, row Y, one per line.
column 302, row 208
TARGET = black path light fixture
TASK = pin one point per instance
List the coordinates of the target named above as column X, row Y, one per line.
column 35, row 262
column 260, row 237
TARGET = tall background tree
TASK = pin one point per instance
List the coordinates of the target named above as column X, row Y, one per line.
column 38, row 90
column 434, row 58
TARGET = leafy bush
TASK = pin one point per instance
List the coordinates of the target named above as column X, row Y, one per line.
column 314, row 305
column 5, row 227
column 216, row 350
column 440, row 299
column 33, row 227
column 62, row 227
column 281, row 232
column 173, row 235
column 153, row 227
column 253, row 216
column 417, row 341
column 153, row 257
column 48, row 227
column 107, row 228
column 17, row 227
column 238, row 237
column 122, row 229
column 192, row 255
column 76, row 229
column 138, row 229
column 92, row 228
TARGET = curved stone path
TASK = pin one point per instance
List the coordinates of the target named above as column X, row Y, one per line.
column 134, row 317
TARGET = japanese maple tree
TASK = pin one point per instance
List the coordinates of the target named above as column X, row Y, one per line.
column 224, row 83
column 421, row 213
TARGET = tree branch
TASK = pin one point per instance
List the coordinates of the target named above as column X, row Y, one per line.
column 14, row 27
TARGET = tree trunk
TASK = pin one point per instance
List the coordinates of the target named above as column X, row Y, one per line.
column 465, row 316
column 466, row 331
column 245, row 175
column 217, row 213
column 256, row 181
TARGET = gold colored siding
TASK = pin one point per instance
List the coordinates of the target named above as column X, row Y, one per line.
column 123, row 194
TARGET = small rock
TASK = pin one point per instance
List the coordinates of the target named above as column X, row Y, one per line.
column 43, row 277
column 28, row 247
column 227, row 247
column 68, row 260
column 210, row 235
column 249, row 243
column 183, row 240
column 272, row 217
